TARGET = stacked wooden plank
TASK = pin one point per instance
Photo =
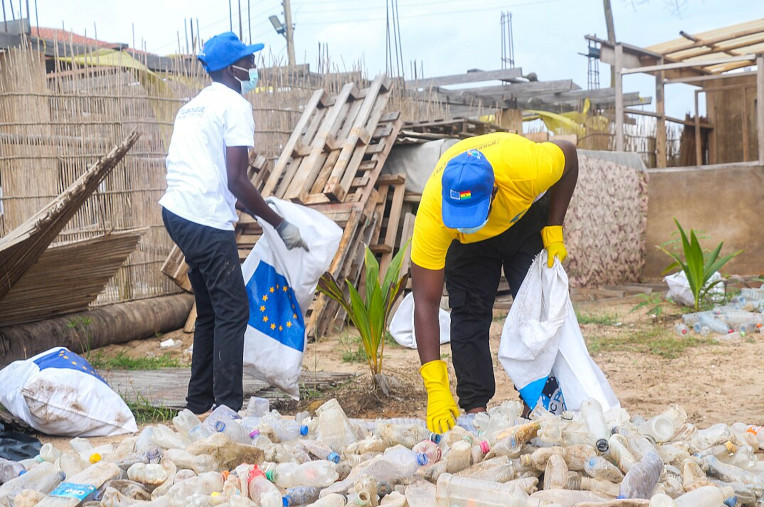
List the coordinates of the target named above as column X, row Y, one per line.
column 331, row 163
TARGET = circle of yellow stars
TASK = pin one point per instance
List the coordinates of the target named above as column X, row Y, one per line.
column 265, row 299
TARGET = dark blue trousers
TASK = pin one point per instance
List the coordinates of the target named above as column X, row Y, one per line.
column 222, row 312
column 473, row 272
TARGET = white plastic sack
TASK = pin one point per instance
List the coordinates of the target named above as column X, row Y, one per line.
column 402, row 324
column 280, row 285
column 541, row 337
column 59, row 393
column 679, row 288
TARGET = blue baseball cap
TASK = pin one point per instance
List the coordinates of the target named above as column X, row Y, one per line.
column 222, row 50
column 467, row 187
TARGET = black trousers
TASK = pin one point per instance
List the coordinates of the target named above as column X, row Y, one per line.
column 473, row 272
column 222, row 312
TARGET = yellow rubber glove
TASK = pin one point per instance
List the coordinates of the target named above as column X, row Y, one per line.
column 441, row 407
column 551, row 235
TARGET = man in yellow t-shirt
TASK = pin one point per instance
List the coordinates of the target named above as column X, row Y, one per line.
column 492, row 202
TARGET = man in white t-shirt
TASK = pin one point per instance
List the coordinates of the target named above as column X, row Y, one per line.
column 206, row 174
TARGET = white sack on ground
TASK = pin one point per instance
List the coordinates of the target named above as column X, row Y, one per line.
column 59, row 393
column 280, row 285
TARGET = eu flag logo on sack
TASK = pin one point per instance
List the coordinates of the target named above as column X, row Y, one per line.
column 65, row 358
column 273, row 308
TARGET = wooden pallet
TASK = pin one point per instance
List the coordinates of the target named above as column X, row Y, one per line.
column 331, row 162
column 453, row 128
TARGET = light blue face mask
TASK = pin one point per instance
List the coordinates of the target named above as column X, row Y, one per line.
column 472, row 230
column 249, row 85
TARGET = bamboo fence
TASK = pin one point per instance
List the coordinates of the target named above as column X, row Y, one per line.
column 59, row 114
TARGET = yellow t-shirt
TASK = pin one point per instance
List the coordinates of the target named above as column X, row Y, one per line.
column 522, row 170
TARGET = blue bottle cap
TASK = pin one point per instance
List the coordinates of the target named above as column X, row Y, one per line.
column 303, row 429
column 285, row 501
column 334, row 457
column 219, row 426
column 435, row 437
column 421, row 458
column 22, row 473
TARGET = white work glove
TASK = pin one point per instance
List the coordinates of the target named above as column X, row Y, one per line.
column 290, row 235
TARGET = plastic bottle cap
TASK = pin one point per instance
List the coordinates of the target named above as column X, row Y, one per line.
column 485, row 446
column 334, row 457
column 304, row 429
column 285, row 501
column 435, row 437
column 22, row 473
column 269, row 475
column 602, row 445
column 94, row 458
column 254, row 433
column 219, row 426
column 215, row 493
column 421, row 458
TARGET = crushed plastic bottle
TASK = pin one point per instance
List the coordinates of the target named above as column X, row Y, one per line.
column 641, row 479
column 381, row 467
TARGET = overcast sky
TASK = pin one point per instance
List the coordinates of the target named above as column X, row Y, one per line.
column 446, row 36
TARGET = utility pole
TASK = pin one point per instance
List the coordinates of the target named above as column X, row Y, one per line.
column 610, row 34
column 289, row 34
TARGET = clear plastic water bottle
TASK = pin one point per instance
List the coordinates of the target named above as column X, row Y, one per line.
column 320, row 450
column 640, row 481
column 202, row 484
column 318, row 473
column 705, row 496
column 9, row 470
column 285, row 430
column 467, row 421
column 406, row 460
column 189, row 425
column 262, row 491
column 595, row 422
column 226, row 420
column 81, row 486
column 257, row 407
column 151, row 474
column 301, row 495
column 406, row 435
column 714, row 324
column 334, row 428
column 598, row 467
column 43, row 478
column 165, row 438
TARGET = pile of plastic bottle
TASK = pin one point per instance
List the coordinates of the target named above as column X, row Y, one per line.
column 740, row 317
column 258, row 458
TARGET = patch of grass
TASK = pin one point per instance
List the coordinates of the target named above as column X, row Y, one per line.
column 352, row 349
column 145, row 413
column 654, row 340
column 308, row 393
column 603, row 320
column 122, row 362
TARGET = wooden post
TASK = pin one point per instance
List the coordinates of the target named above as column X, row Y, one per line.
column 744, row 126
column 660, row 108
column 618, row 97
column 698, row 150
column 760, row 105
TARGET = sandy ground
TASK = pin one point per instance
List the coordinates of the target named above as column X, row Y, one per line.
column 648, row 366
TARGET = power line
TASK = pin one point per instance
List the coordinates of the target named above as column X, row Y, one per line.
column 427, row 14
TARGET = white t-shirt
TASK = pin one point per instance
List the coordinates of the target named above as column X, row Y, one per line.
column 197, row 182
